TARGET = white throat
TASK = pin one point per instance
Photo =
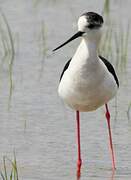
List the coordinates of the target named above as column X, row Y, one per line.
column 87, row 51
column 88, row 48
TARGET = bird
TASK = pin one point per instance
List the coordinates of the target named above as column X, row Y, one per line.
column 88, row 80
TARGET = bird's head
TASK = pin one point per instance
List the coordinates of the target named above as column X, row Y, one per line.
column 89, row 26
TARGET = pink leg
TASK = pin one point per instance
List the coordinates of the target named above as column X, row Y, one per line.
column 110, row 137
column 79, row 161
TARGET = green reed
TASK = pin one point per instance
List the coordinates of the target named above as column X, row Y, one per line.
column 7, row 50
column 121, row 44
column 43, row 40
column 115, row 40
column 11, row 174
column 114, row 44
column 128, row 111
column 43, row 46
column 37, row 3
column 106, row 8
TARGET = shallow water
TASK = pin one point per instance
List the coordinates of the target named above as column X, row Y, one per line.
column 38, row 125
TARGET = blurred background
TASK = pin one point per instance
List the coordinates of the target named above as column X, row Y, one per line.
column 37, row 131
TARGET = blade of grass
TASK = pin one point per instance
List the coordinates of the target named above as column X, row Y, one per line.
column 14, row 170
column 11, row 50
column 2, row 176
column 128, row 111
column 5, row 170
column 11, row 175
column 106, row 8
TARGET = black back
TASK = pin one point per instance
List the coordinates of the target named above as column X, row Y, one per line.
column 110, row 69
column 65, row 68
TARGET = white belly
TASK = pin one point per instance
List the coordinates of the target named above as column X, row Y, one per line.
column 87, row 91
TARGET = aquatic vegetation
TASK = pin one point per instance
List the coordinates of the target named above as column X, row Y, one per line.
column 37, row 3
column 43, row 40
column 43, row 46
column 106, row 8
column 115, row 41
column 7, row 51
column 13, row 174
column 114, row 45
column 122, row 42
column 128, row 111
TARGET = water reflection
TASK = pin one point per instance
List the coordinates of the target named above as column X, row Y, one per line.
column 78, row 177
column 111, row 177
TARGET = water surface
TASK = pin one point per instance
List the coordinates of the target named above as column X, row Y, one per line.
column 38, row 125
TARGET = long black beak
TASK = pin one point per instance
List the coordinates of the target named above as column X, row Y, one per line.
column 78, row 34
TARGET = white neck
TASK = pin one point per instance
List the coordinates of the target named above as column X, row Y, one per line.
column 90, row 46
column 87, row 50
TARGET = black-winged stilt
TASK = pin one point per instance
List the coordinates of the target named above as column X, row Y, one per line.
column 88, row 80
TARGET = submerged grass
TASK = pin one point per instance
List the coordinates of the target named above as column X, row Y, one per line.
column 114, row 45
column 43, row 46
column 115, row 41
column 43, row 40
column 128, row 111
column 106, row 8
column 37, row 3
column 7, row 52
column 121, row 44
column 13, row 174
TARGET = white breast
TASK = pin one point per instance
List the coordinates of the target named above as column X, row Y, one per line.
column 86, row 84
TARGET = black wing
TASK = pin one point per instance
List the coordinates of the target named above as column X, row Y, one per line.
column 65, row 68
column 110, row 69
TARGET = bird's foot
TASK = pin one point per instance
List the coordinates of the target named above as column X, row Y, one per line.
column 79, row 163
